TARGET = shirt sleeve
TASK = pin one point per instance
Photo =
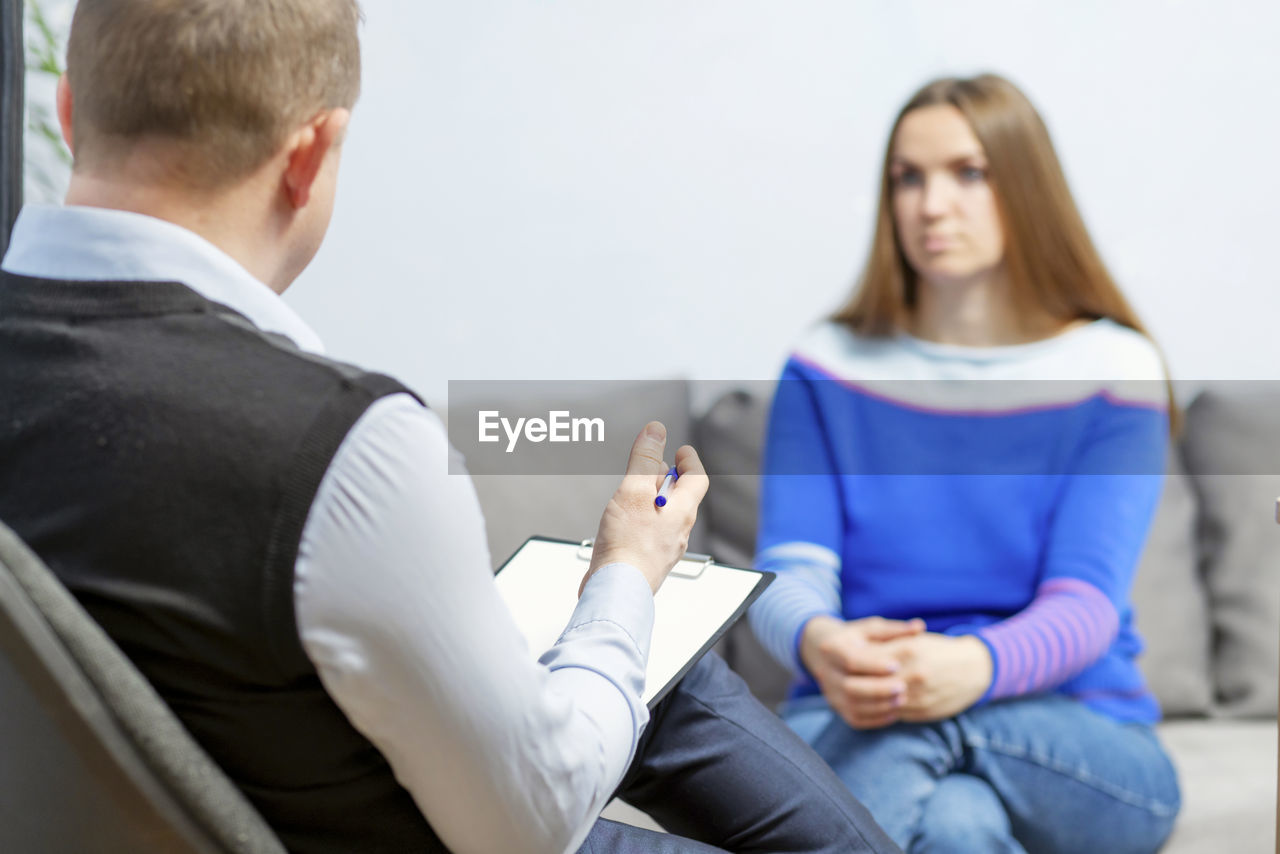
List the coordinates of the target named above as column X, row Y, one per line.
column 800, row 527
column 397, row 609
column 1095, row 539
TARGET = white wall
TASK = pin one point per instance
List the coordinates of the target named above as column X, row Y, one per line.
column 558, row 189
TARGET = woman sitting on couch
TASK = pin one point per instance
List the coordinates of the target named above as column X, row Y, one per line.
column 973, row 446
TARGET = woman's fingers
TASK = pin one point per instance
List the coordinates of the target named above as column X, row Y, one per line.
column 854, row 656
column 884, row 629
column 871, row 689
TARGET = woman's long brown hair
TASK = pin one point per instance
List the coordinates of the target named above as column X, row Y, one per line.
column 1051, row 261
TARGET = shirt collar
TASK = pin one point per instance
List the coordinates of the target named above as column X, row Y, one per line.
column 99, row 244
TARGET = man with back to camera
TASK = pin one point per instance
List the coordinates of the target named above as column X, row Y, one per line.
column 273, row 537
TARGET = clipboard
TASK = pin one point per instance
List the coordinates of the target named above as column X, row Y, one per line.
column 696, row 605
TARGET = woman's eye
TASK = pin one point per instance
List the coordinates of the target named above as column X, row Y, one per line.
column 971, row 174
column 907, row 178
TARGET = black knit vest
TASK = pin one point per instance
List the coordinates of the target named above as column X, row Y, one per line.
column 161, row 453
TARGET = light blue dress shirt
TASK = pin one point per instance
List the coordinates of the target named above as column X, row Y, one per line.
column 395, row 600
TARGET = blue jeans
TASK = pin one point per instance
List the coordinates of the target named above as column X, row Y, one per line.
column 723, row 773
column 1042, row 774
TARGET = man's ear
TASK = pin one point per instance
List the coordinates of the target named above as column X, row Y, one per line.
column 308, row 148
column 64, row 110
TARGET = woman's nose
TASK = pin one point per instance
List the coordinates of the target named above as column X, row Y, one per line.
column 937, row 196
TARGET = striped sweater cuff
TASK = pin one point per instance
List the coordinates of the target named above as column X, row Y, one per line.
column 808, row 585
column 1067, row 627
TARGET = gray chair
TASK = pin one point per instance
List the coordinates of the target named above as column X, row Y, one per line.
column 91, row 759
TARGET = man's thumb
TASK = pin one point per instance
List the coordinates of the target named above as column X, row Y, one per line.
column 646, row 451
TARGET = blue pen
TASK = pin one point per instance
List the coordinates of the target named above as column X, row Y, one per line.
column 665, row 489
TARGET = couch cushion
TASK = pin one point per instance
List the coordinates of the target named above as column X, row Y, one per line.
column 1227, row 771
column 1171, row 605
column 729, row 439
column 518, row 506
column 1233, row 451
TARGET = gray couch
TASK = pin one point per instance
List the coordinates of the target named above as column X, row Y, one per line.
column 1207, row 593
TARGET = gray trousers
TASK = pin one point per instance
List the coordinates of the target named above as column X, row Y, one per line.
column 723, row 773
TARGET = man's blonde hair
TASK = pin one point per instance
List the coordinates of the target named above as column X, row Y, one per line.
column 221, row 81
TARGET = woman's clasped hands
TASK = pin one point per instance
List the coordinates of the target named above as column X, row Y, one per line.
column 876, row 671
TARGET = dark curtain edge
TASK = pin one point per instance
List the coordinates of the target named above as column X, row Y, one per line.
column 12, row 82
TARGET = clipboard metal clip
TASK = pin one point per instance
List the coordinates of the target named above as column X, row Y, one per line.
column 699, row 562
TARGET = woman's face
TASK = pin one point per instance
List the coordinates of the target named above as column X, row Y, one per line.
column 943, row 206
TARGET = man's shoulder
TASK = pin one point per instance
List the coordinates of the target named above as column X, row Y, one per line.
column 159, row 358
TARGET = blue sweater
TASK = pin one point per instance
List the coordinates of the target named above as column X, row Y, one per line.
column 1003, row 492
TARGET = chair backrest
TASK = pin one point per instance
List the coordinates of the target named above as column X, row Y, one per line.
column 91, row 759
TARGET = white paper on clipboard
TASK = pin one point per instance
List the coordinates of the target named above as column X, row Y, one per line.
column 695, row 606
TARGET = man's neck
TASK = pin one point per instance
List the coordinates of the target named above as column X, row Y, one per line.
column 224, row 218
